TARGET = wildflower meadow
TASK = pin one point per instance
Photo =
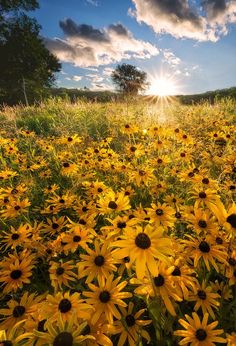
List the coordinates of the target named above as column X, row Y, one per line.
column 118, row 224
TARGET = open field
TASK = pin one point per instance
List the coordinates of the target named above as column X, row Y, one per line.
column 118, row 224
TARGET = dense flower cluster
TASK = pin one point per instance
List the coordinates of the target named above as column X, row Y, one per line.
column 124, row 240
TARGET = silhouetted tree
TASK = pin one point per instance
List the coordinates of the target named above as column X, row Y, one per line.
column 26, row 65
column 129, row 79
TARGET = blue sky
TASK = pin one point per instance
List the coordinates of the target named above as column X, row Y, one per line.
column 191, row 42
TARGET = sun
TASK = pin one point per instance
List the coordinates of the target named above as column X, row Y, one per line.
column 162, row 86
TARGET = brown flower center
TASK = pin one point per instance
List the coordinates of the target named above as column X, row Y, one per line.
column 130, row 320
column 63, row 339
column 204, row 247
column 143, row 241
column 201, row 334
column 16, row 274
column 159, row 212
column 159, row 280
column 231, row 219
column 201, row 294
column 18, row 311
column 112, row 205
column 104, row 296
column 64, row 305
column 202, row 223
column 99, row 260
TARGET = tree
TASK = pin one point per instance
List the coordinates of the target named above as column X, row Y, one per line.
column 129, row 79
column 27, row 67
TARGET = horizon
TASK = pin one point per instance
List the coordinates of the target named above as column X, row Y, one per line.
column 190, row 48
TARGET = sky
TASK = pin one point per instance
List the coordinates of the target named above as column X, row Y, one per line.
column 192, row 43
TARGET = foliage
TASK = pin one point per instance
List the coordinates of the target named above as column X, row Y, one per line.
column 129, row 79
column 17, row 5
column 27, row 67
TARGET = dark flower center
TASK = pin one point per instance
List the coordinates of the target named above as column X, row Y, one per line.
column 232, row 261
column 141, row 172
column 17, row 207
column 159, row 212
column 176, row 272
column 201, row 294
column 18, row 311
column 202, row 223
column 133, row 149
column 16, row 274
column 178, row 215
column 60, row 271
column 126, row 259
column 191, row 174
column 15, row 236
column 202, row 194
column 104, row 296
column 159, row 161
column 76, row 239
column 201, row 334
column 143, row 241
column 205, row 181
column 55, row 225
column 232, row 187
column 231, row 219
column 130, row 320
column 112, row 205
column 159, row 280
column 86, row 330
column 62, row 201
column 99, row 260
column 204, row 246
column 70, row 139
column 63, row 339
column 219, row 240
column 41, row 326
column 6, row 343
column 121, row 224
column 82, row 222
column 64, row 305
column 100, row 189
column 66, row 164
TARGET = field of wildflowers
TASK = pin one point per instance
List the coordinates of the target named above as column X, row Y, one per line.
column 118, row 225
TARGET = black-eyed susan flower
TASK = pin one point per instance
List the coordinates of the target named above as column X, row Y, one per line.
column 160, row 285
column 63, row 333
column 206, row 249
column 205, row 299
column 113, row 202
column 97, row 264
column 18, row 310
column 16, row 237
column 65, row 306
column 143, row 246
column 16, row 271
column 62, row 274
column 199, row 333
column 105, row 297
column 161, row 215
column 131, row 326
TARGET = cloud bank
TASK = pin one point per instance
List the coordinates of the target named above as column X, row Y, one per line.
column 86, row 46
column 181, row 19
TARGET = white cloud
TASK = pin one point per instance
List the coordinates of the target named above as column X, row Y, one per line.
column 182, row 19
column 86, row 46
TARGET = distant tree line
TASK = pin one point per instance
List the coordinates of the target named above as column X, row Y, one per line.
column 209, row 96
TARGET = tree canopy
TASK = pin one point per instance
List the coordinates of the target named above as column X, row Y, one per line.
column 129, row 79
column 26, row 65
